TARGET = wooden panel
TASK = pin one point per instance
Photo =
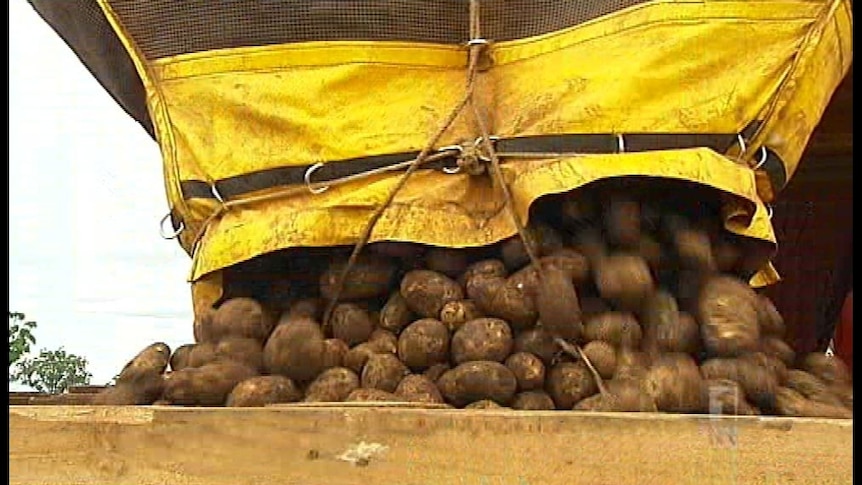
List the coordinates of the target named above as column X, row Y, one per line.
column 339, row 446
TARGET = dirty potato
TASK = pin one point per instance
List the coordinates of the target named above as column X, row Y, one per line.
column 247, row 351
column 484, row 404
column 383, row 371
column 779, row 349
column 756, row 380
column 448, row 261
column 180, row 357
column 144, row 390
column 727, row 310
column 512, row 299
column 538, row 342
column 242, row 317
column 203, row 326
column 424, row 343
column 694, row 249
column 771, row 322
column 477, row 381
column 557, row 304
column 622, row 218
column 681, row 335
column 619, row 329
column 631, row 364
column 487, row 339
column 395, row 314
column 603, row 356
column 533, row 401
column 334, row 351
column 371, row 277
column 332, row 385
column 263, row 390
column 306, row 308
column 384, row 340
column 202, row 354
column 372, row 395
column 529, row 370
column 574, row 264
column 811, row 387
column 791, row 403
column 659, row 309
column 456, row 313
column 435, row 371
column 675, row 384
column 628, row 396
column 208, row 385
column 295, row 350
column 418, row 388
column 351, row 324
column 570, row 382
column 831, row 369
column 356, row 358
column 493, row 268
column 624, row 279
column 427, row 291
column 725, row 396
column 153, row 360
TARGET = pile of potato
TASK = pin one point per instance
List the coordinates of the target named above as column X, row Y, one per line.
column 639, row 302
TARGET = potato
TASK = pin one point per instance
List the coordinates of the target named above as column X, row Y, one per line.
column 356, row 358
column 435, row 371
column 485, row 268
column 725, row 396
column 426, row 292
column 448, row 261
column 511, row 299
column 456, row 313
column 529, row 370
column 203, row 326
column 694, row 250
column 202, row 354
column 830, row 369
column 545, row 240
column 726, row 254
column 631, row 364
column 513, row 253
column 484, row 404
column 570, row 382
column 628, row 395
column 144, row 390
column 246, row 351
column 372, row 395
column 180, row 357
column 844, row 393
column 557, row 304
column 624, row 279
column 306, row 308
column 682, row 335
column 589, row 242
column 538, row 342
column 727, row 310
column 383, row 371
column 262, row 390
column 594, row 403
column 771, row 322
column 603, row 356
column 333, row 385
column 208, row 385
column 384, row 340
column 153, row 360
column 533, row 401
column 574, row 264
column 619, row 329
column 334, row 351
column 622, row 221
column 777, row 348
column 351, row 323
column 477, row 381
column 295, row 350
column 487, row 339
column 418, row 388
column 659, row 309
column 397, row 250
column 371, row 277
column 811, row 387
column 675, row 384
column 242, row 317
column 768, row 362
column 395, row 314
column 592, row 306
column 758, row 382
column 651, row 251
column 791, row 403
column 424, row 343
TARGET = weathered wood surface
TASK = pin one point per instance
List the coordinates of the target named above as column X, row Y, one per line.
column 366, row 445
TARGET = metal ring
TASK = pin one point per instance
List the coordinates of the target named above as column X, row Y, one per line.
column 742, row 146
column 621, row 144
column 308, row 182
column 452, row 148
column 216, row 193
column 174, row 234
column 769, row 211
column 473, row 42
column 764, row 156
column 478, row 144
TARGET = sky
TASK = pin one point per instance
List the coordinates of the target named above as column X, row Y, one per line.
column 86, row 194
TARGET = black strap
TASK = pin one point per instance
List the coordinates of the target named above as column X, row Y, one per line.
column 570, row 143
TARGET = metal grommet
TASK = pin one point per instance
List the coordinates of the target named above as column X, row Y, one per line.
column 769, row 211
column 452, row 148
column 473, row 42
column 308, row 182
column 742, row 146
column 174, row 234
column 216, row 193
column 621, row 144
column 763, row 156
column 479, row 145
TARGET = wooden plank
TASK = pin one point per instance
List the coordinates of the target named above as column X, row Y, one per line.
column 86, row 389
column 51, row 400
column 367, row 445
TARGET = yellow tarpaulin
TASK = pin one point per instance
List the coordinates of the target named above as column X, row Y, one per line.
column 654, row 67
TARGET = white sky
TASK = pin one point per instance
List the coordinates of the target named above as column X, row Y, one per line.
column 86, row 194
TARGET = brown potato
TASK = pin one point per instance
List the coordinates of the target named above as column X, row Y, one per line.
column 777, row 348
column 242, row 317
column 180, row 357
column 811, row 387
column 830, row 369
column 511, row 299
column 725, row 396
column 144, row 390
column 424, row 343
column 513, row 253
column 333, row 385
column 356, row 358
column 262, row 390
column 758, row 382
column 545, row 240
column 682, row 335
column 529, row 370
column 384, row 340
column 624, row 279
column 570, row 382
column 533, row 401
column 426, row 292
column 448, row 261
column 592, row 306
column 395, row 314
column 771, row 322
column 651, row 251
column 246, row 351
column 844, row 393
column 203, row 326
column 295, row 350
column 485, row 268
column 153, row 360
column 456, row 313
column 576, row 210
column 383, row 371
column 603, row 356
column 334, row 351
column 768, row 362
column 675, row 384
column 538, row 342
column 351, row 323
column 628, row 395
column 726, row 254
column 574, row 264
column 484, row 404
column 372, row 395
column 791, row 403
column 659, row 309
column 477, row 381
column 589, row 242
column 208, row 385
column 619, row 329
column 371, row 277
column 631, row 364
column 622, row 221
column 306, row 308
column 418, row 388
column 557, row 304
column 594, row 403
column 202, row 354
column 694, row 249
column 727, row 310
column 435, row 371
column 482, row 339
